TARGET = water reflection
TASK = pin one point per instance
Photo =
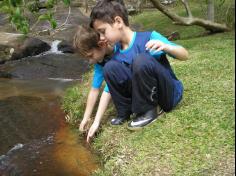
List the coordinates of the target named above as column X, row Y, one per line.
column 33, row 88
column 34, row 137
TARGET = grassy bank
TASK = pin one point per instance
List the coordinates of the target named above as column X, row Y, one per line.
column 197, row 138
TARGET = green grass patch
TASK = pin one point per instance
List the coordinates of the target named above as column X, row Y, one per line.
column 197, row 138
column 74, row 101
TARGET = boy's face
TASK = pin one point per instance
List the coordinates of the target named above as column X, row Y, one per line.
column 95, row 55
column 107, row 31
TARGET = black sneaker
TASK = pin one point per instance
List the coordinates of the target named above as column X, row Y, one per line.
column 142, row 120
column 119, row 120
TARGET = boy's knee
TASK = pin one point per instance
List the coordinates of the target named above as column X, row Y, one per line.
column 110, row 66
column 142, row 62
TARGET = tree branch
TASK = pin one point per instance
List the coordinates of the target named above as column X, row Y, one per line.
column 66, row 18
column 188, row 21
column 187, row 8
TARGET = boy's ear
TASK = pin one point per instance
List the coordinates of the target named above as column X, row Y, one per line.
column 118, row 20
column 102, row 44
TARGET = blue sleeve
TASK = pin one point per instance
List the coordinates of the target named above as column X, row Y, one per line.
column 97, row 76
column 157, row 36
column 106, row 89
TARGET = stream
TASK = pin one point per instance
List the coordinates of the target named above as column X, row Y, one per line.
column 34, row 137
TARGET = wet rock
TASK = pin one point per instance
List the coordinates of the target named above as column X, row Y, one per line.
column 15, row 46
column 67, row 66
column 30, row 47
column 65, row 47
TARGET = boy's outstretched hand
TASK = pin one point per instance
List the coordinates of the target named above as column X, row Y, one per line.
column 92, row 131
column 84, row 125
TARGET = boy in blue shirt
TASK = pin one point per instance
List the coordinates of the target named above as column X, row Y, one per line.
column 88, row 44
column 139, row 75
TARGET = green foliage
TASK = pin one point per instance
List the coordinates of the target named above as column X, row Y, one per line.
column 48, row 17
column 16, row 10
column 66, row 2
column 15, row 3
column 33, row 6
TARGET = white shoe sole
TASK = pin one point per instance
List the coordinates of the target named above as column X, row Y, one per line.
column 160, row 113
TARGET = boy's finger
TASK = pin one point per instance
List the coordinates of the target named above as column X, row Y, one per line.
column 159, row 49
column 88, row 139
column 155, row 46
column 149, row 44
column 89, row 136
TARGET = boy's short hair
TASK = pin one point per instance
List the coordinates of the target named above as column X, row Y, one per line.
column 107, row 10
column 85, row 39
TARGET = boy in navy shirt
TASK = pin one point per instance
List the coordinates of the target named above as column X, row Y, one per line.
column 139, row 75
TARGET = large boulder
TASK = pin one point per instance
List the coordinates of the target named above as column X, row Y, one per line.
column 15, row 46
column 65, row 47
column 30, row 47
column 68, row 66
column 8, row 41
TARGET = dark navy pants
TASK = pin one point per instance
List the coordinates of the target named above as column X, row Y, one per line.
column 139, row 87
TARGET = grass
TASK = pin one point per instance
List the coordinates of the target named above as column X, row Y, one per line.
column 197, row 138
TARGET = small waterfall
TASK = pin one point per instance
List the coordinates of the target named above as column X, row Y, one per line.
column 54, row 47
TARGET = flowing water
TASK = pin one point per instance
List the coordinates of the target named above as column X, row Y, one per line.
column 34, row 138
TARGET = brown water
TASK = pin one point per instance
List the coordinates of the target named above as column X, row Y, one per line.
column 34, row 138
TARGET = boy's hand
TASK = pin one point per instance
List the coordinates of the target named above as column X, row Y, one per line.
column 92, row 131
column 84, row 125
column 155, row 45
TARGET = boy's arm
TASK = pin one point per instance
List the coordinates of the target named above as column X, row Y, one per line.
column 93, row 95
column 91, row 100
column 104, row 101
column 177, row 51
column 159, row 44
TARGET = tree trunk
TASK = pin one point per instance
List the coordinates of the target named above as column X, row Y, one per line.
column 187, row 8
column 86, row 5
column 210, row 10
column 139, row 5
column 189, row 21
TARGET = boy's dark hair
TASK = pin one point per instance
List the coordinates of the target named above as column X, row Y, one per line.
column 107, row 10
column 85, row 39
